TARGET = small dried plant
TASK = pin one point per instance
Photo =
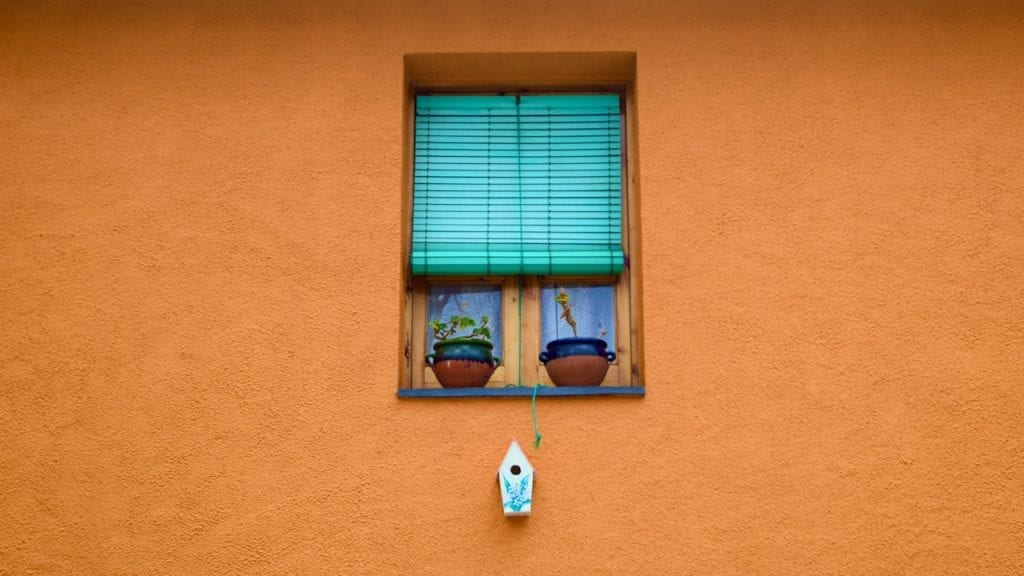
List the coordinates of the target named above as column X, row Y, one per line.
column 563, row 300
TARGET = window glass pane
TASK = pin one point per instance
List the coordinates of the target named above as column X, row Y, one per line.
column 473, row 300
column 593, row 308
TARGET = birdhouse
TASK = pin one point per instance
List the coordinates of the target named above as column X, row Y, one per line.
column 515, row 477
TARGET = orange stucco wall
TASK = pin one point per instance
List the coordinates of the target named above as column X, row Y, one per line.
column 200, row 289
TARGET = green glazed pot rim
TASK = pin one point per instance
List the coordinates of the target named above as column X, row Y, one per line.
column 451, row 341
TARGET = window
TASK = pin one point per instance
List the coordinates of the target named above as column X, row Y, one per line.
column 513, row 198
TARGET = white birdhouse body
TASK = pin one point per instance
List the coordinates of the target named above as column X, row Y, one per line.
column 515, row 477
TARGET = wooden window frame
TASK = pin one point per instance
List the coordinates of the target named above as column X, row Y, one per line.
column 506, row 373
column 552, row 73
column 512, row 372
column 621, row 371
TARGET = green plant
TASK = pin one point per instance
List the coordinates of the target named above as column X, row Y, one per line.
column 445, row 330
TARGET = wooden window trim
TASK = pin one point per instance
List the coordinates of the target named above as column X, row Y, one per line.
column 529, row 371
column 505, row 374
column 620, row 371
column 560, row 73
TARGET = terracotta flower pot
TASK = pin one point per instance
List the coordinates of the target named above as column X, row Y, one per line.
column 463, row 362
column 577, row 361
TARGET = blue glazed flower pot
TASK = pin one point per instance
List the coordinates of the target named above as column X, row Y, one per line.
column 463, row 362
column 472, row 349
column 577, row 361
column 564, row 347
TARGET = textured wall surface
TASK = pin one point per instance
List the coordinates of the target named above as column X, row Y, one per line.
column 200, row 285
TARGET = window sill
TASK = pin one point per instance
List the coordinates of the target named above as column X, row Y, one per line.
column 519, row 391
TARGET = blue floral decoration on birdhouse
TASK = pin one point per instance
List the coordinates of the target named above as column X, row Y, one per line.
column 517, row 495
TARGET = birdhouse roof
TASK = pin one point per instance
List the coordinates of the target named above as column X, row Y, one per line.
column 515, row 455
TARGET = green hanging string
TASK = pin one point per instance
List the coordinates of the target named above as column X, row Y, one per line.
column 536, row 385
column 536, row 429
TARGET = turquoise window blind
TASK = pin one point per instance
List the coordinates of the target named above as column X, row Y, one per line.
column 527, row 184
